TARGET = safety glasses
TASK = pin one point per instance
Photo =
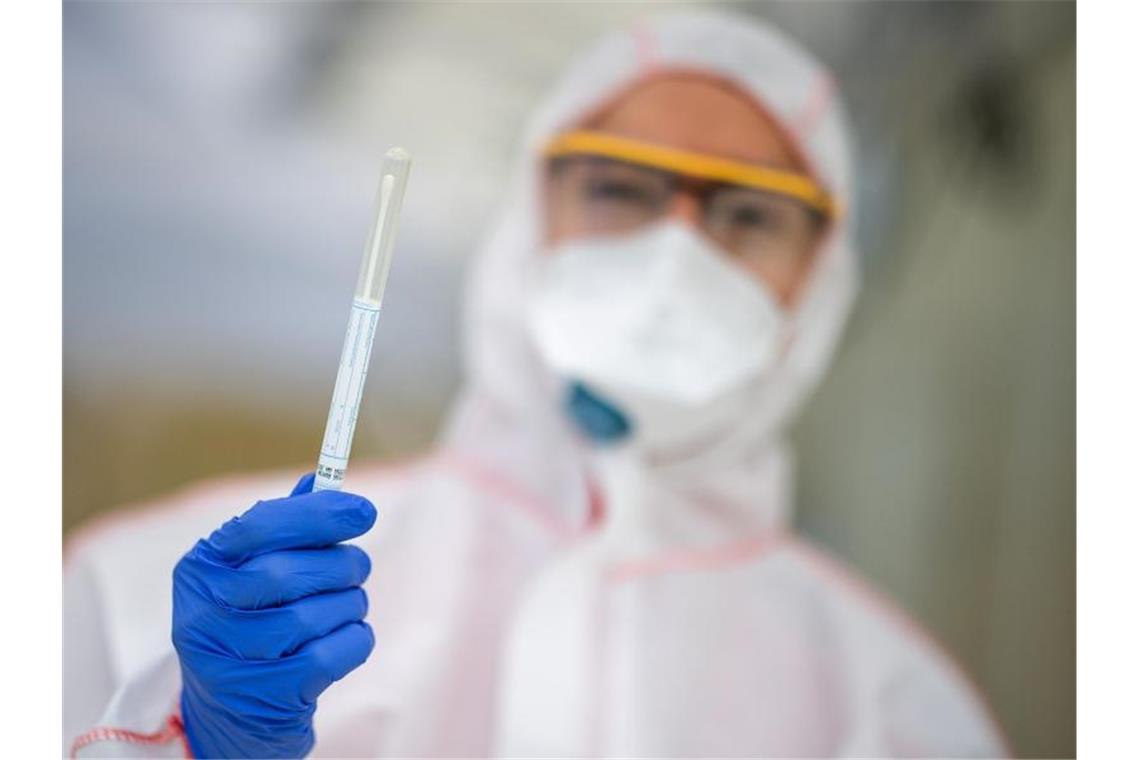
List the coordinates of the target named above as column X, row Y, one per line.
column 601, row 184
column 696, row 166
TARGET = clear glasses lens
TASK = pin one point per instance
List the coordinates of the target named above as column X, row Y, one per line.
column 602, row 196
column 754, row 223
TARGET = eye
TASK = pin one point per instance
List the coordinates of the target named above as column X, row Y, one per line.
column 616, row 190
column 752, row 216
column 751, row 212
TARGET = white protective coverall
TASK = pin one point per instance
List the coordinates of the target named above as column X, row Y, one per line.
column 531, row 595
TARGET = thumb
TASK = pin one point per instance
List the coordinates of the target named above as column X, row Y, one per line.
column 304, row 485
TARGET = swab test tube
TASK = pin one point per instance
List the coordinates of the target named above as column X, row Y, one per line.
column 353, row 370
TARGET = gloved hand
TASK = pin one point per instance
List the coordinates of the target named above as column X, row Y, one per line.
column 268, row 613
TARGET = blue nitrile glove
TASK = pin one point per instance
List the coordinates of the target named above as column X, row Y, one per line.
column 268, row 613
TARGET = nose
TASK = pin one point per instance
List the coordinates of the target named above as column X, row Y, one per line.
column 685, row 207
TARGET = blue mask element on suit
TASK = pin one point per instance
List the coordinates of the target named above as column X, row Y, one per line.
column 598, row 419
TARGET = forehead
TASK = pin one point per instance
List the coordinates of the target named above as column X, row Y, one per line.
column 698, row 113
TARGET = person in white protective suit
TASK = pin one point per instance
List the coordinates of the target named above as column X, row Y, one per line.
column 596, row 559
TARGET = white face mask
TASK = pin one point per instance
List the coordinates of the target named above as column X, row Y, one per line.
column 658, row 321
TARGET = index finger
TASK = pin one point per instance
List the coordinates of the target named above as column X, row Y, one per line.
column 305, row 521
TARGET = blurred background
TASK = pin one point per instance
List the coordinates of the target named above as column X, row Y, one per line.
column 219, row 170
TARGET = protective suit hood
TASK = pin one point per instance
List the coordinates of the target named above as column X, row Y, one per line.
column 513, row 400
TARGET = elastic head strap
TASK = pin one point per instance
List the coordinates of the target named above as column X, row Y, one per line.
column 703, row 166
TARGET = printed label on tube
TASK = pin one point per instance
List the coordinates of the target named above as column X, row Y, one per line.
column 350, row 377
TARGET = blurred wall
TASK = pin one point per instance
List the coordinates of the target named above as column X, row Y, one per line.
column 939, row 456
column 220, row 165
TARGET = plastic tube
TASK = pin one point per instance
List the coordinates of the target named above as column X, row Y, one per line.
column 367, row 299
